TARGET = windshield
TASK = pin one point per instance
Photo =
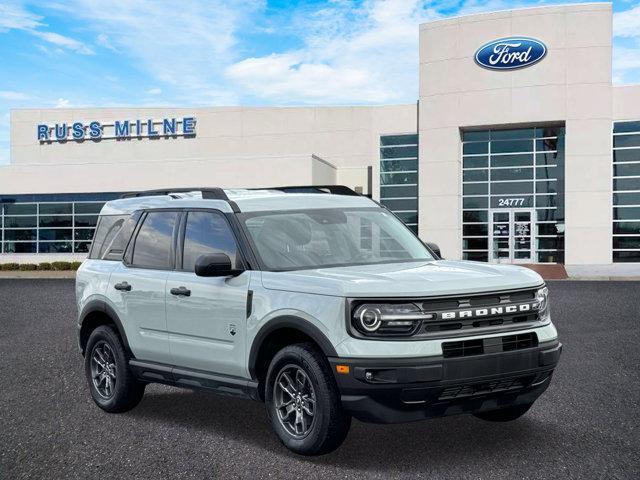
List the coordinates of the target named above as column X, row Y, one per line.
column 302, row 239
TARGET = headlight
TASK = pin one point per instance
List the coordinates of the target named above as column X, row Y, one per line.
column 542, row 297
column 375, row 319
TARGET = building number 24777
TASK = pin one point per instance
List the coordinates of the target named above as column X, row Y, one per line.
column 511, row 202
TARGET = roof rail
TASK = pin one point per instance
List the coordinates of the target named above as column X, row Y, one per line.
column 208, row 193
column 327, row 189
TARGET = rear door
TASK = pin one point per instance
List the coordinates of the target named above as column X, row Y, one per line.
column 137, row 286
column 206, row 316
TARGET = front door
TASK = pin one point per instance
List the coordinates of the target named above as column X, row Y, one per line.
column 511, row 236
column 206, row 316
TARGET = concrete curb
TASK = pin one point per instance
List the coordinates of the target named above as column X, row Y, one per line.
column 38, row 274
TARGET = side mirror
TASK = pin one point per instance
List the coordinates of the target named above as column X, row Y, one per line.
column 435, row 249
column 215, row 265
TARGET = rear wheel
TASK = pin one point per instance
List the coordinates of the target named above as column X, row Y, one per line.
column 112, row 385
column 303, row 402
column 504, row 414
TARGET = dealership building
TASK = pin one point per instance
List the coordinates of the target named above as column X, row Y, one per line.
column 518, row 150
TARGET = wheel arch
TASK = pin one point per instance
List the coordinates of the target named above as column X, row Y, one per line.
column 94, row 314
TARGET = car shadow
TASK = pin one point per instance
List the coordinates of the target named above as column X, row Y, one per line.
column 419, row 447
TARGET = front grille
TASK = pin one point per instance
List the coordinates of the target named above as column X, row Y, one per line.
column 467, row 348
column 476, row 389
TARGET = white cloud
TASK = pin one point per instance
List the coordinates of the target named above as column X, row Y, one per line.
column 154, row 91
column 14, row 17
column 64, row 42
column 11, row 95
column 62, row 103
column 627, row 23
column 103, row 41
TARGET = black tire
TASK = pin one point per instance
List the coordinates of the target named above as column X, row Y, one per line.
column 504, row 414
column 330, row 424
column 126, row 391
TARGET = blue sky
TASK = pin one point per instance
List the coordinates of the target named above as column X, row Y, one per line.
column 77, row 53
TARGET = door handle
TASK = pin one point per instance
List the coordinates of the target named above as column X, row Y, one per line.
column 181, row 292
column 122, row 286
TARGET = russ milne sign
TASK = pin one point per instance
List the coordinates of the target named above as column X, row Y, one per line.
column 510, row 53
column 120, row 129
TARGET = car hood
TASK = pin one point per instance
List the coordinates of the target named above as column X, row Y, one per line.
column 407, row 279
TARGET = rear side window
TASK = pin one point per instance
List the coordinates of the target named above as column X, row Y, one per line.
column 107, row 229
column 115, row 250
column 205, row 233
column 153, row 242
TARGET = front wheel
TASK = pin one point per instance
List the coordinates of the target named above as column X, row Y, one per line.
column 504, row 414
column 303, row 402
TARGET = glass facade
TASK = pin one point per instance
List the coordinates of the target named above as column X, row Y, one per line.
column 513, row 195
column 399, row 177
column 626, row 192
column 47, row 224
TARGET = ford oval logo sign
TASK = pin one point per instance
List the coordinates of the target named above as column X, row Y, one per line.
column 510, row 53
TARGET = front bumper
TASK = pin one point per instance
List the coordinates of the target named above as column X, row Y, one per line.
column 384, row 390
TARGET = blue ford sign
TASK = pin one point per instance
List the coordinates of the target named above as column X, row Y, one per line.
column 119, row 129
column 510, row 53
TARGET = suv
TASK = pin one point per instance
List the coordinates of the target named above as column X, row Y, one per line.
column 317, row 301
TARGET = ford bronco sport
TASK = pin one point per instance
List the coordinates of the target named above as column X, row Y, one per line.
column 317, row 301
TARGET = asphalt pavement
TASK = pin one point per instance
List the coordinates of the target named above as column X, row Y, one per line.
column 585, row 426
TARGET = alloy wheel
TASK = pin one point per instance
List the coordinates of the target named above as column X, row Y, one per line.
column 103, row 369
column 295, row 400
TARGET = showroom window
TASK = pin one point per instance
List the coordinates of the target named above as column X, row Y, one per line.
column 513, row 195
column 399, row 177
column 48, row 227
column 626, row 192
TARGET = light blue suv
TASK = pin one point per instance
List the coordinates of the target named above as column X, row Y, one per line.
column 315, row 300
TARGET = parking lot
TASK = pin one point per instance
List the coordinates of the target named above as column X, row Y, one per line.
column 585, row 426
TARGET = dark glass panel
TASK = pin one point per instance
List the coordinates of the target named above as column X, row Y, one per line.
column 30, row 234
column 474, row 162
column 398, row 139
column 626, row 170
column 549, row 200
column 88, row 208
column 475, row 202
column 475, row 230
column 547, row 214
column 18, row 222
column 551, row 158
column 153, row 242
column 477, row 135
column 632, row 155
column 399, row 152
column 413, row 228
column 550, row 186
column 62, row 221
column 550, row 243
column 475, row 189
column 624, row 127
column 408, row 217
column 86, row 220
column 547, row 172
column 55, row 234
column 549, row 131
column 18, row 247
column 474, row 216
column 20, row 208
column 626, row 183
column 394, row 191
column 511, row 174
column 408, row 204
column 82, row 247
column 475, row 148
column 626, row 198
column 398, row 178
column 511, row 188
column 519, row 160
column 475, row 243
column 511, row 134
column 626, row 141
column 55, row 208
column 626, row 242
column 475, row 175
column 55, row 247
column 551, row 257
column 511, row 146
column 620, row 257
column 398, row 165
column 83, row 233
column 627, row 228
column 548, row 228
column 476, row 256
column 550, row 144
column 628, row 213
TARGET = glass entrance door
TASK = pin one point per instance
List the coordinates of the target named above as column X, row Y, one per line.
column 511, row 236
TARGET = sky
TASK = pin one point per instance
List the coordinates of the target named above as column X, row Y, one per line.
column 80, row 53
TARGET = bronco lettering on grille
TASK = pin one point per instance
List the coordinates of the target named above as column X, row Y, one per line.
column 488, row 311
